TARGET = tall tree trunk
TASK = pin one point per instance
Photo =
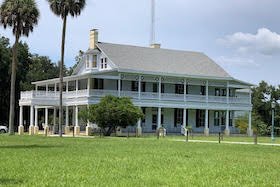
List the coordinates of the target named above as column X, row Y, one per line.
column 13, row 82
column 61, row 65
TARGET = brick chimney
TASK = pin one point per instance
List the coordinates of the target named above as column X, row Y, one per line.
column 93, row 38
column 155, row 46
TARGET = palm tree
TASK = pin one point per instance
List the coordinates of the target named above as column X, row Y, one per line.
column 63, row 8
column 21, row 16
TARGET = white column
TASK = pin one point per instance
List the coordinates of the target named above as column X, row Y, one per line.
column 21, row 115
column 77, row 87
column 66, row 116
column 185, row 118
column 46, row 117
column 185, row 89
column 227, row 131
column 21, row 127
column 77, row 127
column 159, row 118
column 67, row 128
column 36, row 117
column 159, row 89
column 249, row 130
column 67, row 86
column 76, row 116
column 36, row 88
column 31, row 115
column 88, row 127
column 36, row 128
column 139, row 87
column 206, row 128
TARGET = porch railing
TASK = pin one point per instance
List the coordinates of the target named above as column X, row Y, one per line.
column 135, row 95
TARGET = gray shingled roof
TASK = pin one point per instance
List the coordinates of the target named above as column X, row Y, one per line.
column 162, row 60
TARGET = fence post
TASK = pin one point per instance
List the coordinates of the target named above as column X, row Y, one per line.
column 256, row 138
column 219, row 137
column 157, row 133
column 187, row 137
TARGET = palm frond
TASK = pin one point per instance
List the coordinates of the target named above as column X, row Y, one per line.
column 21, row 15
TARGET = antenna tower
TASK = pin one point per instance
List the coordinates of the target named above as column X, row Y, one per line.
column 153, row 11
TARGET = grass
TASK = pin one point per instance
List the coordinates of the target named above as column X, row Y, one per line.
column 260, row 139
column 40, row 161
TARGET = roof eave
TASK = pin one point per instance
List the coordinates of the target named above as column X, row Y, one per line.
column 121, row 70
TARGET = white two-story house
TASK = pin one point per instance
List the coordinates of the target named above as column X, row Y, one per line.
column 174, row 89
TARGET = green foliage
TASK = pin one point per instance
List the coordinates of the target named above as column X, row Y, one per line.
column 262, row 96
column 78, row 59
column 258, row 125
column 30, row 68
column 242, row 123
column 112, row 112
column 66, row 7
column 21, row 15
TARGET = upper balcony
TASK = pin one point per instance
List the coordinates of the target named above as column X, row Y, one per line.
column 144, row 91
column 136, row 96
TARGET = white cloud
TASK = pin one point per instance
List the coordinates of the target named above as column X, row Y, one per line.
column 264, row 42
column 236, row 62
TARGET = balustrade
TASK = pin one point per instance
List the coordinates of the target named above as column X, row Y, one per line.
column 135, row 95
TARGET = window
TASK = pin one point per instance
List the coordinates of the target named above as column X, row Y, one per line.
column 143, row 87
column 102, row 63
column 162, row 88
column 144, row 112
column 216, row 118
column 155, row 87
column 223, row 118
column 134, row 86
column 154, row 122
column 179, row 88
column 105, row 63
column 217, row 92
column 98, row 84
column 94, row 61
column 202, row 90
column 87, row 61
column 231, row 92
column 224, row 92
column 200, row 118
column 230, row 118
column 178, row 116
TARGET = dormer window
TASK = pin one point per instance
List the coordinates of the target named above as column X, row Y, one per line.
column 91, row 61
column 103, row 63
column 94, row 61
column 87, row 61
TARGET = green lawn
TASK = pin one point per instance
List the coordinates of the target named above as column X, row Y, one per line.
column 40, row 161
column 231, row 138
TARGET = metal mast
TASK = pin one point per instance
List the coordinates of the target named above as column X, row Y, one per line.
column 153, row 34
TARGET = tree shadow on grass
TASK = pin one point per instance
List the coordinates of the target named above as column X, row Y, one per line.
column 5, row 182
column 33, row 146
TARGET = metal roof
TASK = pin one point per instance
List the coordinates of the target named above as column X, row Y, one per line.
column 162, row 60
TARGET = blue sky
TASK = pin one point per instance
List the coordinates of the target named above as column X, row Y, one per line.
column 241, row 36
